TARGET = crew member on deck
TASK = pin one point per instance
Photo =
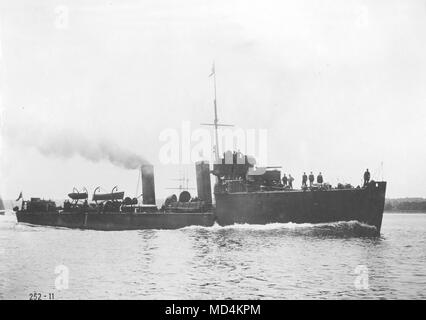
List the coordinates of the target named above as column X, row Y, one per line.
column 366, row 177
column 311, row 179
column 284, row 180
column 304, row 179
column 319, row 178
column 290, row 181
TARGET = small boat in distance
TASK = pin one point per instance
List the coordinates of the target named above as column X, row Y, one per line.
column 2, row 210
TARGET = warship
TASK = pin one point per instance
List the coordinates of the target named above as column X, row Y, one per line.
column 243, row 194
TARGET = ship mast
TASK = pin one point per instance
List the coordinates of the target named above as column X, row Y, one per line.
column 216, row 123
column 216, row 120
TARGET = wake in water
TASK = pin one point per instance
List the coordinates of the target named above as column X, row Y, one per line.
column 340, row 229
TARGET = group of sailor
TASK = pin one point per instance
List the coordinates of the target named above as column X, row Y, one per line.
column 288, row 181
column 320, row 179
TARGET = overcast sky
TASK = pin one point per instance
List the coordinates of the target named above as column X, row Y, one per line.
column 339, row 85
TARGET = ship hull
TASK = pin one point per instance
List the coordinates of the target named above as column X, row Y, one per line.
column 109, row 221
column 365, row 205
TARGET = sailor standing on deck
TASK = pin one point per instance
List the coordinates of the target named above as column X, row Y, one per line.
column 284, row 180
column 304, row 179
column 311, row 179
column 366, row 177
column 290, row 181
column 319, row 178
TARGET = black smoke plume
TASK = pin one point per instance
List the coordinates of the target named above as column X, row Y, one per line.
column 67, row 144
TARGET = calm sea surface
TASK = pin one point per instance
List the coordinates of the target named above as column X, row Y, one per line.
column 277, row 261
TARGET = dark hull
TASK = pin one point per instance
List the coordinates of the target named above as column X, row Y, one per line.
column 116, row 221
column 364, row 205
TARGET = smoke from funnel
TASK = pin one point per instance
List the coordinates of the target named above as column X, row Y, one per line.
column 67, row 144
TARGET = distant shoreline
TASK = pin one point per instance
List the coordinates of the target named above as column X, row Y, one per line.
column 406, row 205
column 404, row 211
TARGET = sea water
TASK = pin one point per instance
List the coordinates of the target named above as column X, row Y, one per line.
column 275, row 261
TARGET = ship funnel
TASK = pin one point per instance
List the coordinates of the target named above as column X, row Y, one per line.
column 148, row 186
column 202, row 170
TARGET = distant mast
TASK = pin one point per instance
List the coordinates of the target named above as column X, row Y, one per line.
column 216, row 123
